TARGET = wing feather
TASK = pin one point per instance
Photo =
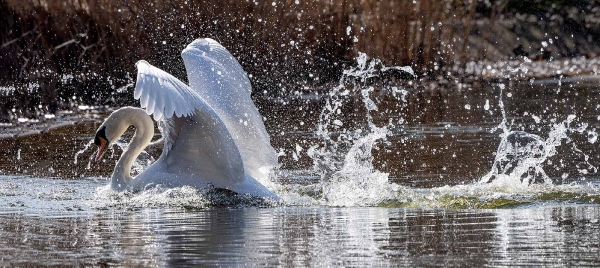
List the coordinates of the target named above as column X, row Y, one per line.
column 151, row 102
column 155, row 85
column 200, row 145
column 144, row 97
column 196, row 140
column 169, row 106
column 217, row 76
column 159, row 102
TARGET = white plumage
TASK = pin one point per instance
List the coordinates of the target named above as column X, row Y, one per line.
column 161, row 94
column 212, row 131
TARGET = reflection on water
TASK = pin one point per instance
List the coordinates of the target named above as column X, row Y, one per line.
column 305, row 236
column 75, row 222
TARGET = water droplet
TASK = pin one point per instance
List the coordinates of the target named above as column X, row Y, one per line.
column 592, row 136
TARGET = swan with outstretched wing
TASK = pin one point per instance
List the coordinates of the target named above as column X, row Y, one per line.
column 213, row 134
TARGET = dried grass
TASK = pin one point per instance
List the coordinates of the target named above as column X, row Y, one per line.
column 301, row 41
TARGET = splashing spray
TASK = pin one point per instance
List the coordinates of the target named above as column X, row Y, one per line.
column 143, row 161
column 343, row 158
column 87, row 146
column 520, row 157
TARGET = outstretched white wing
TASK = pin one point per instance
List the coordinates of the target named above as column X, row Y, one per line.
column 217, row 76
column 197, row 142
column 161, row 94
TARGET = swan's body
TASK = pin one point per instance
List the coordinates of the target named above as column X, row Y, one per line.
column 213, row 133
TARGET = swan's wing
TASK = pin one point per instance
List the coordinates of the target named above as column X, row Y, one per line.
column 202, row 147
column 197, row 142
column 218, row 77
column 161, row 94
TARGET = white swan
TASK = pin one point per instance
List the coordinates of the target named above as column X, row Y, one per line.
column 213, row 133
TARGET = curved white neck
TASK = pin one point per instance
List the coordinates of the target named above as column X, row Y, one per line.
column 144, row 130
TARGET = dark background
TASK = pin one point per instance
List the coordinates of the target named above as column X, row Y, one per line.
column 58, row 53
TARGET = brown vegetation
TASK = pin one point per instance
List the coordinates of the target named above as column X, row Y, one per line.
column 113, row 31
column 87, row 47
column 275, row 37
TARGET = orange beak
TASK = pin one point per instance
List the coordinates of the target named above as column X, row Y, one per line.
column 101, row 149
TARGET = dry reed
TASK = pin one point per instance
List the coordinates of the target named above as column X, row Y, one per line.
column 297, row 40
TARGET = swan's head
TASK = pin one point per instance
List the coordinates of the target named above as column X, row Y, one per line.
column 113, row 127
column 101, row 141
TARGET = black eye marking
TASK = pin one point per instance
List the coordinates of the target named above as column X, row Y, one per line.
column 100, row 134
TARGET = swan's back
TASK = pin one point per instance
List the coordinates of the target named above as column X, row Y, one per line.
column 220, row 80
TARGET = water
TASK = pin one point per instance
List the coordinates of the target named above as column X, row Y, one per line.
column 552, row 235
column 374, row 172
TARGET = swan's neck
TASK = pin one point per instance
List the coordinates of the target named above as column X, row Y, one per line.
column 144, row 130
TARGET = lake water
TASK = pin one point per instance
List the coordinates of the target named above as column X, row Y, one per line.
column 550, row 235
column 391, row 176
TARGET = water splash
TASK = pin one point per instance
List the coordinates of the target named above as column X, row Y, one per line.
column 520, row 157
column 343, row 163
column 125, row 87
column 182, row 197
column 86, row 146
column 143, row 161
column 343, row 158
column 495, row 195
